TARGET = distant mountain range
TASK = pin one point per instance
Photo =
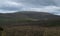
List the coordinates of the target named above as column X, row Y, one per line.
column 29, row 14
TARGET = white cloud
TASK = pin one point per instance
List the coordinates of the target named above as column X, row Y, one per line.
column 43, row 9
column 10, row 3
column 31, row 5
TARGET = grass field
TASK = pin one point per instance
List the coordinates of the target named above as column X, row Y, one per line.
column 31, row 31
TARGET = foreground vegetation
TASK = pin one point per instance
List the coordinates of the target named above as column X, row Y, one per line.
column 24, row 27
column 31, row 31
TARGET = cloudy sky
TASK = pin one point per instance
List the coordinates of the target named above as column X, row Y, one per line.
column 51, row 6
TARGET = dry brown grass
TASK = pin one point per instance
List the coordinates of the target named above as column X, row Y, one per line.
column 32, row 31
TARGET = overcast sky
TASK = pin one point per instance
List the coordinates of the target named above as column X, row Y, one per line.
column 8, row 6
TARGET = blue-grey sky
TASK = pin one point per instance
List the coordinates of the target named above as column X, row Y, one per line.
column 51, row 6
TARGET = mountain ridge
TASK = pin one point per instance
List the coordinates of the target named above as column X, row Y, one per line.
column 29, row 14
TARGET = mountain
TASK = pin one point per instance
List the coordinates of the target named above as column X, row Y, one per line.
column 29, row 14
column 29, row 18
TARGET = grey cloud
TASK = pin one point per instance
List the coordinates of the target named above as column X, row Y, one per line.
column 37, row 2
column 32, row 5
column 9, row 6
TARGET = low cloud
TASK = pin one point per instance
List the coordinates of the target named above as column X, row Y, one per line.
column 9, row 6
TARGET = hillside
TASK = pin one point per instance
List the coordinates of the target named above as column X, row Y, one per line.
column 28, row 14
column 28, row 18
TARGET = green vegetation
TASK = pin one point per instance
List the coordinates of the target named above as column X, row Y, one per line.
column 48, row 23
column 30, row 24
